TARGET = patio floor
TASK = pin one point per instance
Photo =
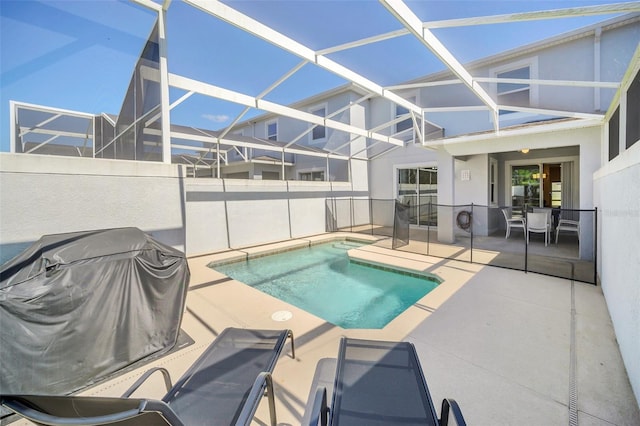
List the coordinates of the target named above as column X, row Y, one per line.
column 560, row 260
column 511, row 348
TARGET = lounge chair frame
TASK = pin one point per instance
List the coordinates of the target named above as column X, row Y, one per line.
column 322, row 414
column 86, row 410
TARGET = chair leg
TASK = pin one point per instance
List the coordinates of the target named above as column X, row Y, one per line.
column 508, row 231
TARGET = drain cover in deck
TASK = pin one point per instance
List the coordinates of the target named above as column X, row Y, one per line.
column 281, row 316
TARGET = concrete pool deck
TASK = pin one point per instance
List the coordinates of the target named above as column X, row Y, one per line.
column 510, row 347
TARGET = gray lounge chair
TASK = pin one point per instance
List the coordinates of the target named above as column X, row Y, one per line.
column 379, row 383
column 223, row 387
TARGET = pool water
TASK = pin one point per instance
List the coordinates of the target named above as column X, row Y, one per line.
column 323, row 281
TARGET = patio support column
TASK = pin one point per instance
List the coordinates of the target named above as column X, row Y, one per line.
column 446, row 191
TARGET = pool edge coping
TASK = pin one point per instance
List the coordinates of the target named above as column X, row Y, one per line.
column 255, row 252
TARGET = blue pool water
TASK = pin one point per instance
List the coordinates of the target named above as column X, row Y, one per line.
column 323, row 281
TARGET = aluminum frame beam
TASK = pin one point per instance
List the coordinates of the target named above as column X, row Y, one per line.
column 537, row 15
column 406, row 16
column 333, row 114
column 264, row 93
column 206, row 89
column 258, row 29
column 493, row 19
column 552, row 112
column 538, row 82
column 163, row 70
column 216, row 141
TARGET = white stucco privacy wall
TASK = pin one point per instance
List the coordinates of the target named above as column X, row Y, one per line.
column 240, row 213
column 617, row 195
column 43, row 195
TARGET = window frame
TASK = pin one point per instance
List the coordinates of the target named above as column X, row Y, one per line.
column 234, row 154
column 532, row 64
column 268, row 135
column 311, row 172
column 313, row 110
column 493, row 182
column 632, row 111
column 413, row 97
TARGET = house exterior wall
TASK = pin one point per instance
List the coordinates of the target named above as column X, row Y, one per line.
column 290, row 129
column 617, row 196
column 616, row 48
column 570, row 60
column 474, row 190
column 383, row 170
column 463, row 122
column 553, row 62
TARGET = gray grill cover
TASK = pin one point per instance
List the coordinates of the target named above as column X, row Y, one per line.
column 77, row 307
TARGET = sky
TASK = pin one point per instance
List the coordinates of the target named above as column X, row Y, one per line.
column 80, row 55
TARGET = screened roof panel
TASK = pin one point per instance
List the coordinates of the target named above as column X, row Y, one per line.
column 80, row 56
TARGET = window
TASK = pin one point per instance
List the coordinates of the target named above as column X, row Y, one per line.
column 270, row 175
column 525, row 186
column 236, row 153
column 516, row 94
column 493, row 182
column 614, row 134
column 405, row 124
column 633, row 112
column 418, row 188
column 272, row 130
column 519, row 94
column 318, row 132
column 312, row 176
column 400, row 111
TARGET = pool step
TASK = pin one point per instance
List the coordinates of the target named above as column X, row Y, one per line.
column 345, row 245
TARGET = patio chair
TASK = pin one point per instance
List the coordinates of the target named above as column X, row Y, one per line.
column 379, row 383
column 513, row 222
column 548, row 212
column 568, row 225
column 223, row 387
column 539, row 223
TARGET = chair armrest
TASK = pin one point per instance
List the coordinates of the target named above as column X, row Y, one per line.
column 145, row 376
column 161, row 407
column 253, row 399
column 568, row 222
column 319, row 410
column 40, row 417
column 447, row 404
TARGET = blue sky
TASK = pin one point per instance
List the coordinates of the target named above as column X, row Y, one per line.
column 79, row 55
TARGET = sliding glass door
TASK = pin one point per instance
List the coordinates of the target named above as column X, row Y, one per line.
column 418, row 188
column 525, row 186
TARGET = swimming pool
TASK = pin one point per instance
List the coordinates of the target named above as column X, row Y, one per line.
column 323, row 281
